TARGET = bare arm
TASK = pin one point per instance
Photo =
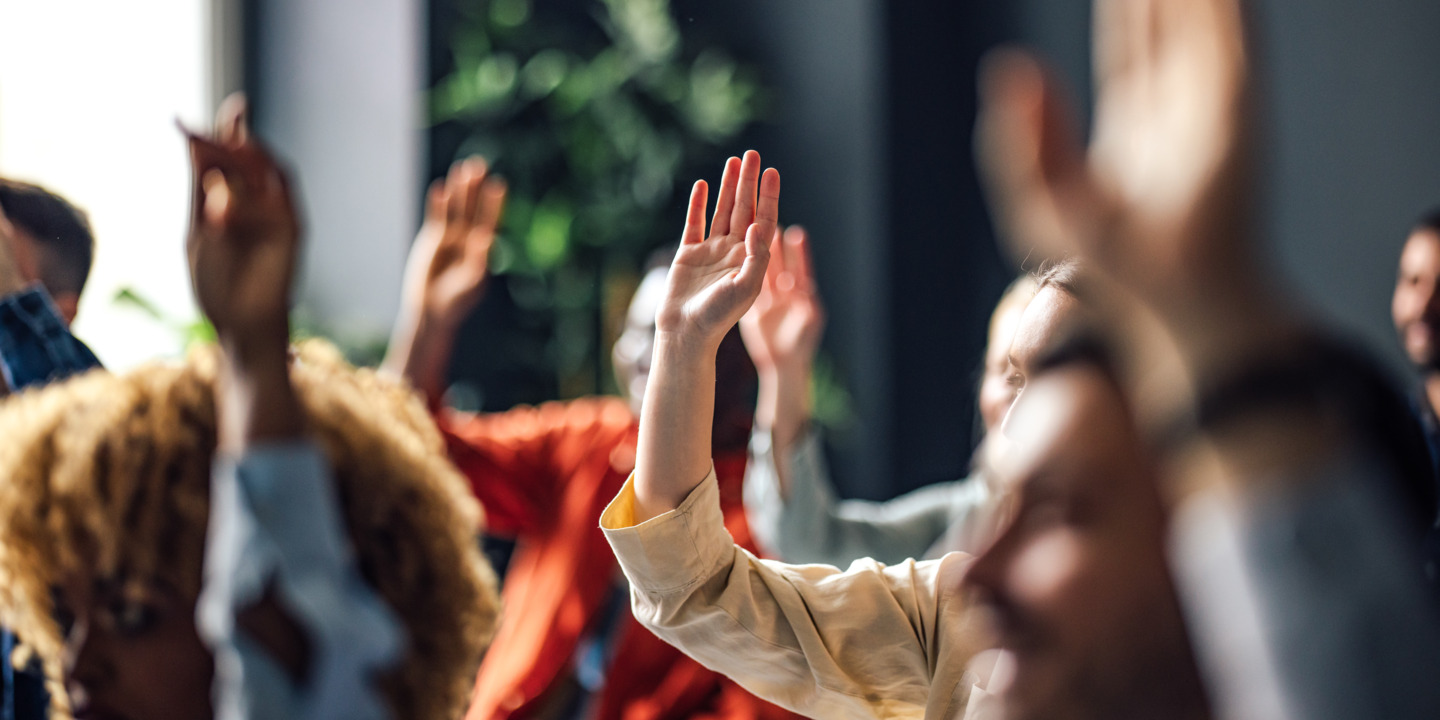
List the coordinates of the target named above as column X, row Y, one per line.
column 712, row 283
column 445, row 275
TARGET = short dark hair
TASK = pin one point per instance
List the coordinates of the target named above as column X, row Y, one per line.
column 65, row 244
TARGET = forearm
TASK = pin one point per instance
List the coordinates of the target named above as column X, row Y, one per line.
column 256, row 402
column 783, row 406
column 673, row 454
column 420, row 351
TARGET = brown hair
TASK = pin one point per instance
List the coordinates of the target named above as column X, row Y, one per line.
column 108, row 476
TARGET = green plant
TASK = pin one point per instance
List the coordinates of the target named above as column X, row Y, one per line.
column 596, row 125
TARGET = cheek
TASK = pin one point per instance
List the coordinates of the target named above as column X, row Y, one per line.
column 169, row 670
column 1046, row 573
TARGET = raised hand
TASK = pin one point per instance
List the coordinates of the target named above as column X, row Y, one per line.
column 244, row 234
column 446, row 272
column 714, row 280
column 1159, row 203
column 782, row 333
column 783, row 327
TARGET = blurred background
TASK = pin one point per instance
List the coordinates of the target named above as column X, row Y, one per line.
column 602, row 112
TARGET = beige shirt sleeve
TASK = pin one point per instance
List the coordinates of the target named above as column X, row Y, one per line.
column 873, row 641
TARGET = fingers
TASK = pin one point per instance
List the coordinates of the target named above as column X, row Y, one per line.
column 455, row 193
column 231, row 126
column 751, row 277
column 744, row 212
column 491, row 204
column 720, row 225
column 472, row 174
column 796, row 254
column 436, row 201
column 772, row 271
column 695, row 215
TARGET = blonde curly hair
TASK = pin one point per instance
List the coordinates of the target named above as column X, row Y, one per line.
column 108, row 477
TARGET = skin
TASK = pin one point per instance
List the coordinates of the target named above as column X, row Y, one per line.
column 126, row 642
column 1415, row 306
column 713, row 281
column 997, row 391
column 1048, row 313
column 445, row 274
column 1077, row 580
column 445, row 278
column 242, row 245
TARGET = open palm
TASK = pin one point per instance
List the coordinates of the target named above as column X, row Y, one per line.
column 714, row 280
column 783, row 327
column 1158, row 199
column 448, row 264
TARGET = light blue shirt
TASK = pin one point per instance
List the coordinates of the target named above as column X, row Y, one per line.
column 811, row 525
column 275, row 523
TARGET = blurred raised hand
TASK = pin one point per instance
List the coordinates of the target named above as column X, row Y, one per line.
column 242, row 246
column 782, row 332
column 244, row 233
column 1160, row 203
column 784, row 326
column 445, row 274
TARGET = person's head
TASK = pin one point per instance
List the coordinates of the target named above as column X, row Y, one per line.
column 996, row 390
column 56, row 235
column 103, row 521
column 735, row 378
column 1077, row 579
column 1415, row 306
column 1054, row 308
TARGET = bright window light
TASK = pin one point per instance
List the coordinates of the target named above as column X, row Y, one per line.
column 89, row 94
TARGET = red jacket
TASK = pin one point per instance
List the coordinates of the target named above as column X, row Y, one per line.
column 544, row 474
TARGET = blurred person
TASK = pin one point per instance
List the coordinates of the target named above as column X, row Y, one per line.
column 328, row 577
column 565, row 647
column 53, row 241
column 1077, row 579
column 35, row 348
column 1415, row 308
column 789, row 498
column 1290, row 466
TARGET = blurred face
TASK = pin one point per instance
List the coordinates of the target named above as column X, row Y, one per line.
column 1415, row 307
column 734, row 372
column 132, row 653
column 633, row 349
column 1047, row 315
column 1077, row 579
column 996, row 391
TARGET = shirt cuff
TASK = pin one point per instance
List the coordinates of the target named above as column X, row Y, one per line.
column 674, row 551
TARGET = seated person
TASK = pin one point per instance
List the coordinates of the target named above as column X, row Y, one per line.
column 565, row 646
column 302, row 511
column 789, row 499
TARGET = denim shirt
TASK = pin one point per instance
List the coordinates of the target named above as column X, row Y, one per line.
column 36, row 348
column 35, row 345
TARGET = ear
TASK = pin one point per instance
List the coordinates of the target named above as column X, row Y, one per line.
column 68, row 304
